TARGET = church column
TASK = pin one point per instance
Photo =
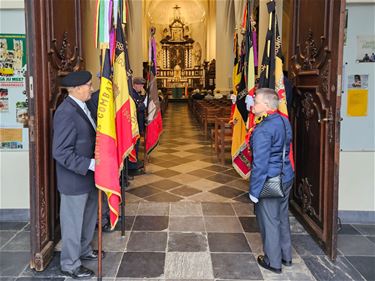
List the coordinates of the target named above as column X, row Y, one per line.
column 224, row 46
column 210, row 31
column 137, row 43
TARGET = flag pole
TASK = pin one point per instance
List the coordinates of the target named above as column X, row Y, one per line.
column 124, row 172
column 100, row 235
column 124, row 184
column 101, row 57
column 152, row 32
column 145, row 157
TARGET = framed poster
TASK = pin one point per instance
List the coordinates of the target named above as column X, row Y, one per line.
column 14, row 117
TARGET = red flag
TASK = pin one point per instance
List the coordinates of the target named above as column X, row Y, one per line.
column 106, row 159
column 126, row 119
column 154, row 122
column 245, row 87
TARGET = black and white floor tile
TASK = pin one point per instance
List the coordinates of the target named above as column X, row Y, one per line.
column 189, row 218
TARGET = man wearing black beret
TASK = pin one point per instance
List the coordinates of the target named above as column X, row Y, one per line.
column 73, row 149
column 140, row 102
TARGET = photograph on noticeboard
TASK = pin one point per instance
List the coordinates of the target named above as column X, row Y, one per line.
column 359, row 81
column 4, row 100
column 365, row 49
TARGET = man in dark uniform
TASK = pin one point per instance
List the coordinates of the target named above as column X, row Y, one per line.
column 140, row 102
column 73, row 149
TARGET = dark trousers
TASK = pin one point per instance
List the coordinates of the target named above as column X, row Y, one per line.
column 273, row 219
column 78, row 214
column 131, row 165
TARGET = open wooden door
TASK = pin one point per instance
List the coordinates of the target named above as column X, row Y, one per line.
column 316, row 50
column 53, row 31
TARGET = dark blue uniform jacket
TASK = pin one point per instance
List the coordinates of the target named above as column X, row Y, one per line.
column 266, row 144
column 73, row 148
column 138, row 99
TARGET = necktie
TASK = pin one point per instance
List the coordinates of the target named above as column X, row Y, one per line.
column 87, row 111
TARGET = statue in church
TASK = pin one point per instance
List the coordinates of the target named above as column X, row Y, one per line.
column 165, row 33
column 159, row 55
column 197, row 53
column 177, row 73
column 187, row 32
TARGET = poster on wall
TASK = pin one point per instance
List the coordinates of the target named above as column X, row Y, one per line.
column 357, row 95
column 11, row 138
column 365, row 49
column 13, row 99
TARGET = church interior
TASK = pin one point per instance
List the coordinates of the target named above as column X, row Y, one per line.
column 187, row 214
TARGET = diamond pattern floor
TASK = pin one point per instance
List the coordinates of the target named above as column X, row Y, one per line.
column 189, row 218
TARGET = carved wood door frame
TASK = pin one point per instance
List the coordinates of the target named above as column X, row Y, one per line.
column 53, row 30
column 316, row 50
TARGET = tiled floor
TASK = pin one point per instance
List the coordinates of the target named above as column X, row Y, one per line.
column 189, row 218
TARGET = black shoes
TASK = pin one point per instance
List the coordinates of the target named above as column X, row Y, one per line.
column 264, row 264
column 140, row 165
column 79, row 273
column 136, row 172
column 286, row 263
column 93, row 256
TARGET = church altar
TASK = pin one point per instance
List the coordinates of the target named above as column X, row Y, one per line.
column 180, row 57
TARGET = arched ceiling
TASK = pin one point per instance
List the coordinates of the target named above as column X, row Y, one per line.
column 162, row 11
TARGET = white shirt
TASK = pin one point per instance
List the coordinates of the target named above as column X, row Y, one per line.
column 85, row 109
column 83, row 106
column 79, row 102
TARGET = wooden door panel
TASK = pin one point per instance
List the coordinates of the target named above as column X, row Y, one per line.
column 310, row 133
column 65, row 18
column 54, row 48
column 315, row 68
column 311, row 20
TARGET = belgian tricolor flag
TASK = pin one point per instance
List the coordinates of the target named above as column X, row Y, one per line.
column 244, row 85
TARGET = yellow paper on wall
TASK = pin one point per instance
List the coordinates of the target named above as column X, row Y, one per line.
column 357, row 102
column 9, row 135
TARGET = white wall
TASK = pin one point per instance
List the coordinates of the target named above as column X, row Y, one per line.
column 14, row 165
column 357, row 157
column 14, row 182
column 356, row 191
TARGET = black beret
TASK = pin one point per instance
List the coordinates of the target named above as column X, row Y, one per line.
column 75, row 79
column 139, row 80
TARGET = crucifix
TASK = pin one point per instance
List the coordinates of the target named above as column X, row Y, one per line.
column 176, row 12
